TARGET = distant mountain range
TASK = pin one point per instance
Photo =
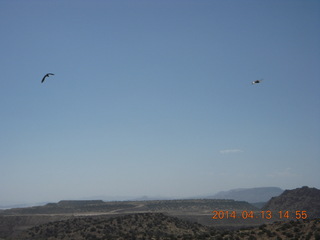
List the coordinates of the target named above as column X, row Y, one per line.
column 22, row 205
column 251, row 195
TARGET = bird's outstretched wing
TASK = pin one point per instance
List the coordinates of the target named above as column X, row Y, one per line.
column 43, row 78
column 47, row 75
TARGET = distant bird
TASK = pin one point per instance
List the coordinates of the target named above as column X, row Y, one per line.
column 47, row 75
column 256, row 81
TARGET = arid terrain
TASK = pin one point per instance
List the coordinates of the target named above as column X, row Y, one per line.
column 167, row 219
column 201, row 211
column 160, row 226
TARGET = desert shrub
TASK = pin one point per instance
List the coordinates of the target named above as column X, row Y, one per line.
column 212, row 232
column 218, row 237
column 199, row 237
column 309, row 235
column 204, row 236
column 289, row 234
column 171, row 237
column 224, row 233
column 285, row 226
column 242, row 234
column 228, row 238
column 296, row 229
column 91, row 237
column 262, row 226
column 251, row 237
column 100, row 226
column 267, row 231
column 187, row 237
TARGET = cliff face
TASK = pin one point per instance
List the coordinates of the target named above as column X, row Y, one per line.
column 299, row 199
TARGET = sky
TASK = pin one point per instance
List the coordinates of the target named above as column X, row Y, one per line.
column 154, row 98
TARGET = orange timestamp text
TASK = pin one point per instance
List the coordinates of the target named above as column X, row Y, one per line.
column 259, row 215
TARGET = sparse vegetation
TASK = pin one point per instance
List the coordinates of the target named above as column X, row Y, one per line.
column 296, row 201
column 159, row 226
column 134, row 226
column 145, row 220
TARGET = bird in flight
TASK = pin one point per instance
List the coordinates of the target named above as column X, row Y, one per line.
column 256, row 81
column 47, row 75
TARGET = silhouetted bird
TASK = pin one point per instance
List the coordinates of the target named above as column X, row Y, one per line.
column 47, row 75
column 256, row 81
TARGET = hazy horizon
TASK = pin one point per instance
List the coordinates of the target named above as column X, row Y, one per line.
column 131, row 198
column 154, row 98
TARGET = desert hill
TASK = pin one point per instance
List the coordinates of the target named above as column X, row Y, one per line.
column 251, row 195
column 133, row 226
column 160, row 219
column 301, row 229
column 160, row 226
column 299, row 199
column 15, row 220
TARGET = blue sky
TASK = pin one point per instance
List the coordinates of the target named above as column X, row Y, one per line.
column 155, row 98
